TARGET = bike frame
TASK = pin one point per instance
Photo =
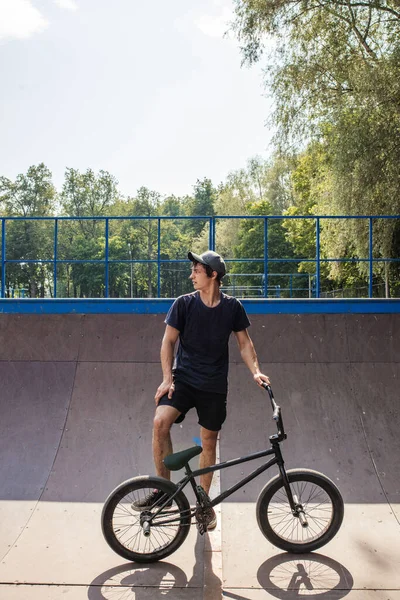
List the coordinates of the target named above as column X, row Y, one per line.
column 277, row 459
column 191, row 475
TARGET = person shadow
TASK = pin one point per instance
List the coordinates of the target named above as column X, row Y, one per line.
column 133, row 581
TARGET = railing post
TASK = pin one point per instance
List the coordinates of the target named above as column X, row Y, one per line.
column 106, row 292
column 266, row 257
column 317, row 283
column 3, row 257
column 371, row 271
column 55, row 258
column 212, row 234
column 158, row 258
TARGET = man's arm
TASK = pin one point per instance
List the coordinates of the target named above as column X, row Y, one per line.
column 167, row 358
column 249, row 356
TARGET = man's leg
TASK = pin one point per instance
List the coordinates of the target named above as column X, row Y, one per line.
column 208, row 456
column 162, row 445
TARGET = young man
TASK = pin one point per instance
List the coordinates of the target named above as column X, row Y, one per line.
column 203, row 321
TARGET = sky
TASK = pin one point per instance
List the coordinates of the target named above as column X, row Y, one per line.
column 151, row 91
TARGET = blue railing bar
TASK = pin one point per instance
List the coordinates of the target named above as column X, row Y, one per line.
column 114, row 218
column 265, row 257
column 55, row 258
column 48, row 261
column 262, row 274
column 159, row 257
column 305, row 260
column 204, row 217
column 106, row 291
column 185, row 260
column 306, row 216
column 318, row 257
column 308, row 260
column 270, row 287
column 3, row 258
column 210, row 234
column 374, row 260
column 370, row 291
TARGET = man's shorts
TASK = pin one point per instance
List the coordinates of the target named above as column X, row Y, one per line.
column 211, row 407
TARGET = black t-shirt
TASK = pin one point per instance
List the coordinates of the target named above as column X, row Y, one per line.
column 202, row 359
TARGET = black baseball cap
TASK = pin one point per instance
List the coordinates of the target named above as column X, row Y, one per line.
column 210, row 258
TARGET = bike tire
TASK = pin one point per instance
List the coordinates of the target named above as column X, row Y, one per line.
column 122, row 528
column 323, row 507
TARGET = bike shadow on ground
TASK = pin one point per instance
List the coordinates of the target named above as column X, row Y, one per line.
column 314, row 576
column 159, row 580
column 292, row 577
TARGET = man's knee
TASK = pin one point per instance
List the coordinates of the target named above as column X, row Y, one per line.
column 164, row 418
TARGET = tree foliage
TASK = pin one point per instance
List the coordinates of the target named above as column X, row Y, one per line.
column 333, row 68
column 138, row 235
column 31, row 195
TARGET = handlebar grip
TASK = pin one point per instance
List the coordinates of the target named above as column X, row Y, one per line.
column 267, row 387
column 276, row 415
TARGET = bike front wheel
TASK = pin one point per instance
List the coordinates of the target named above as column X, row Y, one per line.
column 146, row 534
column 322, row 507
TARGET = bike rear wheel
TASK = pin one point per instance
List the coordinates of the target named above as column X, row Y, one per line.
column 124, row 527
column 322, row 505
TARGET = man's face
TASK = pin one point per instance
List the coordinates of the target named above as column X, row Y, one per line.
column 199, row 277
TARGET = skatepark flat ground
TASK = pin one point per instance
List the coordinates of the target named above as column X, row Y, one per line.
column 76, row 415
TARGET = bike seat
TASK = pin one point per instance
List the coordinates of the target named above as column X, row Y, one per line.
column 178, row 460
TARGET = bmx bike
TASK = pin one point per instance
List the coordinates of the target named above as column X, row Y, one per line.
column 298, row 510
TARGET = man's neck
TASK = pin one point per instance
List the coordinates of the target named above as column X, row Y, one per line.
column 211, row 296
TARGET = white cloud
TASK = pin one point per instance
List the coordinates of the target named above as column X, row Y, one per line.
column 68, row 4
column 19, row 19
column 215, row 25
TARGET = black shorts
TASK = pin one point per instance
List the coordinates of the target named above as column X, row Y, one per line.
column 211, row 407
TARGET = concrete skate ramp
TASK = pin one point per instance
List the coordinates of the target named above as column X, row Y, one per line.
column 77, row 404
column 337, row 381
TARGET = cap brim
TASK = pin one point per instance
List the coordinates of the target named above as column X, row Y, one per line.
column 192, row 256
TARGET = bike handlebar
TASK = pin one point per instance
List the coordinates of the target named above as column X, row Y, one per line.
column 277, row 416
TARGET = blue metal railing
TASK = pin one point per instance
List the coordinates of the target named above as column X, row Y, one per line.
column 266, row 260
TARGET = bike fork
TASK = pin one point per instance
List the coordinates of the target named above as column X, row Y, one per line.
column 295, row 505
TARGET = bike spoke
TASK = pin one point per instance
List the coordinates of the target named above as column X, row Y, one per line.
column 317, row 508
column 128, row 527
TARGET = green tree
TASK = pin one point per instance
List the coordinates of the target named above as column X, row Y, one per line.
column 176, row 241
column 309, row 181
column 140, row 238
column 201, row 203
column 251, row 245
column 321, row 55
column 85, row 195
column 334, row 70
column 30, row 195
